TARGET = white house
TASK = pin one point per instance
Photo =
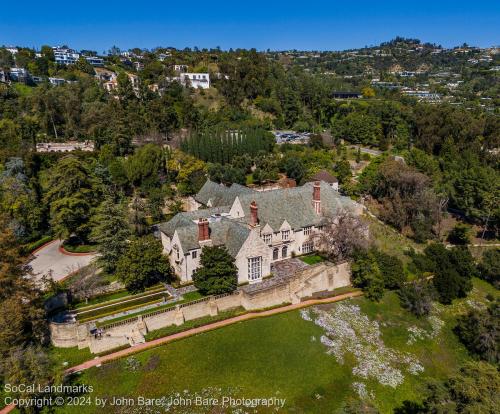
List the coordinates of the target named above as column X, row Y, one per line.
column 257, row 228
column 65, row 55
column 195, row 80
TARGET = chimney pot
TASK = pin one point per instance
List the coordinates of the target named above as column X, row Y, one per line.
column 203, row 231
column 254, row 213
column 317, row 197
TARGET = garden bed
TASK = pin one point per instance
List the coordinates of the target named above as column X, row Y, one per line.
column 121, row 306
column 187, row 297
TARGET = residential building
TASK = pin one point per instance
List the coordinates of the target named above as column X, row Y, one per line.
column 104, row 75
column 180, row 68
column 326, row 177
column 422, row 95
column 346, row 95
column 195, row 80
column 138, row 66
column 95, row 61
column 57, row 81
column 19, row 75
column 257, row 228
column 65, row 56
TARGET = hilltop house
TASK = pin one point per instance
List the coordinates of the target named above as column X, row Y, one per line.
column 195, row 80
column 257, row 228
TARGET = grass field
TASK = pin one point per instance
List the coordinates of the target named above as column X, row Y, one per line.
column 281, row 356
column 312, row 259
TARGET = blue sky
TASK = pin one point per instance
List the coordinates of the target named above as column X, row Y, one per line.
column 306, row 24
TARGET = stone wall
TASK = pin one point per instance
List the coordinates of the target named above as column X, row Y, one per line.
column 319, row 278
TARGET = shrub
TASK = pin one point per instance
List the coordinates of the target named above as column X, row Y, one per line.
column 479, row 331
column 489, row 268
column 460, row 234
column 417, row 297
column 391, row 269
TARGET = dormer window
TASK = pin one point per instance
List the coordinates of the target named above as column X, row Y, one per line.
column 307, row 230
column 285, row 234
column 267, row 238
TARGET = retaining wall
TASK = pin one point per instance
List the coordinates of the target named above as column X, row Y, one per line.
column 319, row 278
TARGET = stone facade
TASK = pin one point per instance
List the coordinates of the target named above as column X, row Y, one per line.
column 257, row 228
column 277, row 291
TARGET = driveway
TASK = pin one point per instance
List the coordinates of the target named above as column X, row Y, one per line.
column 50, row 258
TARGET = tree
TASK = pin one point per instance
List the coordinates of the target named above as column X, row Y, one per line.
column 343, row 171
column 391, row 268
column 22, row 317
column 365, row 273
column 217, row 272
column 30, row 365
column 460, row 234
column 137, row 216
column 71, row 195
column 143, row 265
column 416, row 296
column 294, row 168
column 489, row 268
column 452, row 269
column 479, row 331
column 110, row 231
column 342, row 235
column 473, row 390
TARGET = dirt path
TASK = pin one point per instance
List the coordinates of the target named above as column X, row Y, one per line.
column 247, row 316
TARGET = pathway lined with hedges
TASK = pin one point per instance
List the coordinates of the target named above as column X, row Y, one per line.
column 205, row 328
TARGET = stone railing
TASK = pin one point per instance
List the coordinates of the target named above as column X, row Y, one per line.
column 318, row 278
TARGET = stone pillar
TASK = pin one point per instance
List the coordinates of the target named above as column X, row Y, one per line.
column 213, row 308
column 141, row 325
column 179, row 316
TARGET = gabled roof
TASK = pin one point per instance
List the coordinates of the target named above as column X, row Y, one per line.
column 219, row 194
column 294, row 205
column 228, row 233
column 186, row 218
column 325, row 176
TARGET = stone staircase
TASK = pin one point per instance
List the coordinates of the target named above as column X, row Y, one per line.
column 136, row 337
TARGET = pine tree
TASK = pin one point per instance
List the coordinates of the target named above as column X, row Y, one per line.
column 110, row 231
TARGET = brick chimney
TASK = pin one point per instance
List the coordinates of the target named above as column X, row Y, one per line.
column 317, row 197
column 254, row 214
column 203, row 233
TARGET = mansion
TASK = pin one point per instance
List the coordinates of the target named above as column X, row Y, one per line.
column 257, row 228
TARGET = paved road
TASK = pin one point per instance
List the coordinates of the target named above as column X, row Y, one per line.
column 367, row 150
column 50, row 258
column 247, row 316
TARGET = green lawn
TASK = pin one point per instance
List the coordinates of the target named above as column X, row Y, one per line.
column 282, row 356
column 312, row 259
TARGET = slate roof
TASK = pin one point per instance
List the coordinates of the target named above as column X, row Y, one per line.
column 291, row 204
column 229, row 233
column 186, row 218
column 219, row 194
column 294, row 205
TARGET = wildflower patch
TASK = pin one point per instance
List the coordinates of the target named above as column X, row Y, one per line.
column 348, row 330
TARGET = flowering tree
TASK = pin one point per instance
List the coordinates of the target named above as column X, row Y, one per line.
column 341, row 236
